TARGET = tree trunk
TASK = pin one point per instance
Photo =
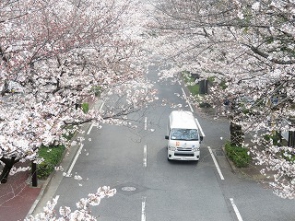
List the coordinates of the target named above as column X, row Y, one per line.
column 291, row 139
column 203, row 87
column 8, row 165
column 34, row 175
column 236, row 134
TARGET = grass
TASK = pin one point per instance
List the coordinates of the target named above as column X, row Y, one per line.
column 52, row 156
column 238, row 155
column 191, row 85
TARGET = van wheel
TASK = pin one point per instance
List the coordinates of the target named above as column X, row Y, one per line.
column 168, row 159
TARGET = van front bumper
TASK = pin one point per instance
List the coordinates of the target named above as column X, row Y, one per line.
column 183, row 155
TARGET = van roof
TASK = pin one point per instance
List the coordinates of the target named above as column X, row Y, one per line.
column 182, row 120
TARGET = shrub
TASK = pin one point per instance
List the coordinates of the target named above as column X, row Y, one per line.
column 85, row 107
column 194, row 89
column 96, row 90
column 275, row 137
column 205, row 105
column 289, row 156
column 52, row 156
column 223, row 85
column 189, row 79
column 238, row 155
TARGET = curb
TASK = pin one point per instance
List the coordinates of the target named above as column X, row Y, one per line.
column 256, row 177
column 44, row 187
column 231, row 164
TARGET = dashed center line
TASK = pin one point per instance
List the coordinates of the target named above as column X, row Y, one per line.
column 143, row 214
column 145, row 156
column 145, row 123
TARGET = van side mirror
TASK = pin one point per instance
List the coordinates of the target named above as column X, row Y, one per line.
column 201, row 138
column 166, row 137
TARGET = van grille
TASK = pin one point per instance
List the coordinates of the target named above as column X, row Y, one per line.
column 184, row 149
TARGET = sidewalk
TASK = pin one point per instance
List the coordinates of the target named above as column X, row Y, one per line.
column 17, row 197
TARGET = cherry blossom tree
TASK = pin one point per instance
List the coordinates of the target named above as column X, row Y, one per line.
column 82, row 212
column 54, row 57
column 247, row 48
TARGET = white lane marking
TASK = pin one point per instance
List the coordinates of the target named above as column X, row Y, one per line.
column 200, row 128
column 236, row 209
column 216, row 164
column 75, row 160
column 145, row 156
column 55, row 200
column 192, row 110
column 90, row 128
column 185, row 97
column 93, row 124
column 101, row 106
column 143, row 214
column 145, row 123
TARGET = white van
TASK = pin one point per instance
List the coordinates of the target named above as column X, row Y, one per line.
column 183, row 137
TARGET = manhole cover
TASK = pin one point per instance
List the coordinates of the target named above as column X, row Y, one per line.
column 128, row 188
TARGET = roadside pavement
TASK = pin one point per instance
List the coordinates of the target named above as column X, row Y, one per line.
column 17, row 196
column 19, row 199
column 252, row 172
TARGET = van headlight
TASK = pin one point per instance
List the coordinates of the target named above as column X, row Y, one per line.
column 195, row 149
column 172, row 148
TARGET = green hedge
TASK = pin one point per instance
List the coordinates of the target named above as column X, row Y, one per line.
column 97, row 90
column 85, row 107
column 192, row 87
column 238, row 155
column 276, row 137
column 52, row 156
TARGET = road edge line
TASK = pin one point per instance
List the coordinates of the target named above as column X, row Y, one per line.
column 236, row 209
column 216, row 163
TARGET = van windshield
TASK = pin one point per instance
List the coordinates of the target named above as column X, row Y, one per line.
column 184, row 134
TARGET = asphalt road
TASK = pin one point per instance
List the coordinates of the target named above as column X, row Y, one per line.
column 134, row 161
